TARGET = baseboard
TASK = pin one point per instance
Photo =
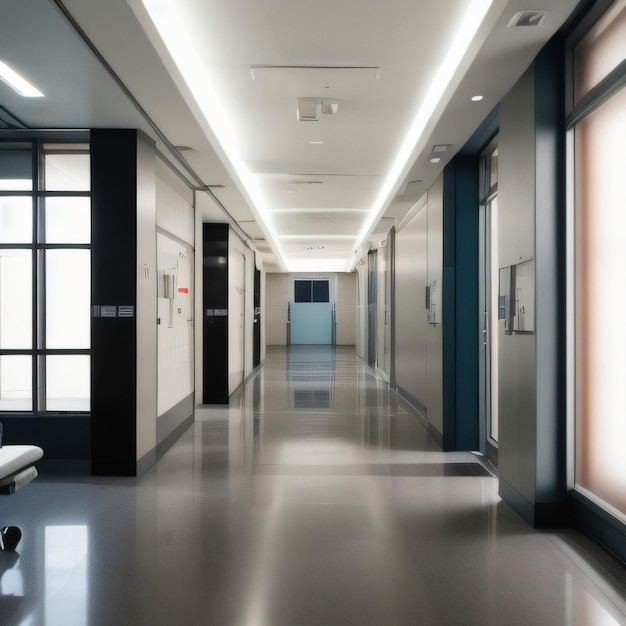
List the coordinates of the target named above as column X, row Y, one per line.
column 600, row 525
column 146, row 462
column 171, row 420
column 173, row 437
column 413, row 405
column 435, row 435
column 539, row 514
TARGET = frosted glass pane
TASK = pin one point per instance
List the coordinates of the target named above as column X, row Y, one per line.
column 15, row 299
column 67, row 172
column 16, row 220
column 68, row 386
column 601, row 50
column 600, row 301
column 68, row 220
column 68, row 298
column 16, row 383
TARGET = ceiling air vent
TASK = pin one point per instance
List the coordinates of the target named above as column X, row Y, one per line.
column 307, row 109
column 528, row 18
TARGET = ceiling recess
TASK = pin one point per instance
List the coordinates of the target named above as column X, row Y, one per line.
column 528, row 18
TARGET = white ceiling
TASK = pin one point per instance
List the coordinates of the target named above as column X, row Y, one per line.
column 303, row 206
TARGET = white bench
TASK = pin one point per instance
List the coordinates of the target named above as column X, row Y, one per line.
column 17, row 468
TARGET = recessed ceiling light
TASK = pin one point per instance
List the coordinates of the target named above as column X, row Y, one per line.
column 316, row 143
column 18, row 83
column 477, row 98
column 435, row 160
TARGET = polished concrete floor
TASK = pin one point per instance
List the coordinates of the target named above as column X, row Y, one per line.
column 314, row 498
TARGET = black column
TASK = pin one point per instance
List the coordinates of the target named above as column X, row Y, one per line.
column 215, row 313
column 114, row 261
column 256, row 355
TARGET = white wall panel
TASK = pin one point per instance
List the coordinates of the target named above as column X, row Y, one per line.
column 175, row 328
column 516, row 239
column 174, row 204
column 276, row 300
column 174, row 214
column 345, row 307
column 145, row 314
column 411, row 348
column 236, row 317
column 435, row 278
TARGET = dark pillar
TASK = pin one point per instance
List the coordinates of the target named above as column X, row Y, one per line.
column 460, row 304
column 215, row 313
column 120, row 198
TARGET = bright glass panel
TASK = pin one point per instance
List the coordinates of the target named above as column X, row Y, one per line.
column 67, row 172
column 68, row 220
column 16, row 382
column 15, row 299
column 68, row 383
column 68, row 298
column 16, row 219
column 600, row 302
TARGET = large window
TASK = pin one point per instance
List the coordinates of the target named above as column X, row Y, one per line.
column 45, row 277
column 598, row 124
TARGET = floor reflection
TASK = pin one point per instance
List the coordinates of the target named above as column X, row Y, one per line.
column 314, row 497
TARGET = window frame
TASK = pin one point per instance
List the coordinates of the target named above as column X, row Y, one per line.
column 51, row 143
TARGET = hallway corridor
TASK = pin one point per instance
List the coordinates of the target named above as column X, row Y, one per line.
column 314, row 498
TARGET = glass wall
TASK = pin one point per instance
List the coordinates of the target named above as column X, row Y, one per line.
column 45, row 277
column 599, row 132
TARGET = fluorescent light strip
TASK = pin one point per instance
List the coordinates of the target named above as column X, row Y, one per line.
column 335, row 210
column 316, row 237
column 18, row 83
column 196, row 74
column 473, row 18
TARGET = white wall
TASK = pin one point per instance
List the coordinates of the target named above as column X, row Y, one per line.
column 434, row 332
column 361, row 309
column 345, row 308
column 418, row 343
column 275, row 311
column 382, row 313
column 240, row 311
column 175, row 327
column 175, row 257
column 411, row 322
column 145, row 315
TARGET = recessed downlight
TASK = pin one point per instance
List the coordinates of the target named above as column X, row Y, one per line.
column 435, row 160
column 476, row 98
column 18, row 83
column 316, row 143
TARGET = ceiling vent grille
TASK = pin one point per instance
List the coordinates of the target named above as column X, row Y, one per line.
column 528, row 18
